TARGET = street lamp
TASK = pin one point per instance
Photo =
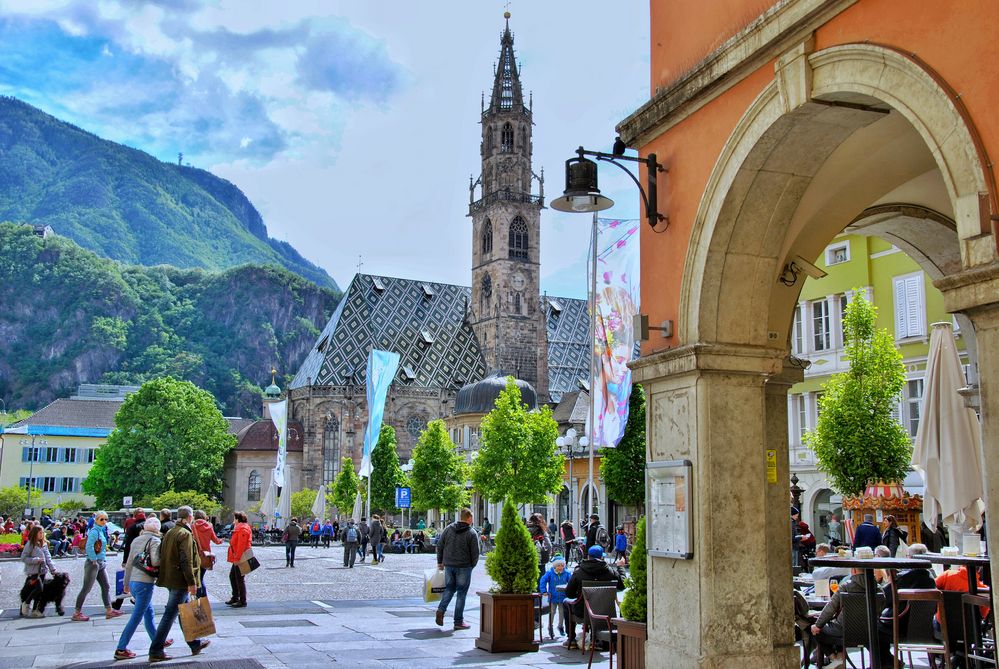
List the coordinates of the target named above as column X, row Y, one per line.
column 569, row 443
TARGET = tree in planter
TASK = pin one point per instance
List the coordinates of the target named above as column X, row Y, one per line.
column 513, row 563
column 439, row 472
column 386, row 473
column 622, row 469
column 345, row 488
column 636, row 599
column 517, row 459
column 857, row 440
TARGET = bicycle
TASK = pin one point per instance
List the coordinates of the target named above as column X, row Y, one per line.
column 574, row 551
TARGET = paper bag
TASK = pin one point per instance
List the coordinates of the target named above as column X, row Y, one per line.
column 119, row 583
column 196, row 619
column 433, row 584
column 248, row 563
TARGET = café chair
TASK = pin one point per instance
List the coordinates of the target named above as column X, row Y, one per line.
column 601, row 606
column 954, row 615
column 803, row 621
column 855, row 626
column 981, row 650
column 916, row 631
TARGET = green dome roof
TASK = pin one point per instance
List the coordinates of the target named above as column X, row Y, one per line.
column 272, row 391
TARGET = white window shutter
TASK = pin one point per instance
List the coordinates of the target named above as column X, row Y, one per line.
column 900, row 310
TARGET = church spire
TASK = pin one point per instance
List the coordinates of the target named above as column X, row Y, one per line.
column 507, row 94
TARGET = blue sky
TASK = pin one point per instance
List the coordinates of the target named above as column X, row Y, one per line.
column 351, row 126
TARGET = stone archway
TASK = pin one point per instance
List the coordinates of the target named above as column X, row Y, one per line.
column 835, row 136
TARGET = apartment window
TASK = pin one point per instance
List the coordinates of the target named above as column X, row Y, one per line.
column 822, row 332
column 798, row 335
column 910, row 306
column 838, row 253
column 30, row 454
column 49, row 484
column 34, row 482
column 802, row 416
column 913, row 401
column 70, row 484
column 51, row 454
column 818, row 406
column 68, row 455
column 91, row 454
column 253, row 487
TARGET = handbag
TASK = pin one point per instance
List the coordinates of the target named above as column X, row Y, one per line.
column 433, row 584
column 207, row 560
column 98, row 546
column 196, row 619
column 248, row 562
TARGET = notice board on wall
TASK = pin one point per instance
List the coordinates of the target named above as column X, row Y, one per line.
column 669, row 491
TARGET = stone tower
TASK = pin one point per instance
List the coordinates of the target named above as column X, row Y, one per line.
column 505, row 310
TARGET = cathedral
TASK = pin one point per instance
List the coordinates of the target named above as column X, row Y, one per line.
column 456, row 342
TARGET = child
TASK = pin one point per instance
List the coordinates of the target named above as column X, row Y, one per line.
column 78, row 542
column 555, row 576
column 620, row 544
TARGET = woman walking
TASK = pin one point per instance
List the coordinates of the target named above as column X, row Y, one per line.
column 204, row 534
column 377, row 535
column 140, row 580
column 894, row 535
column 37, row 562
column 95, row 569
column 239, row 543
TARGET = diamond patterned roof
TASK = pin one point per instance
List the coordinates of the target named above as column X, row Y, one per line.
column 568, row 328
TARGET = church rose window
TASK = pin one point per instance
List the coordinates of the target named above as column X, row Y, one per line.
column 518, row 239
column 506, row 139
column 253, row 487
column 415, row 426
column 487, row 237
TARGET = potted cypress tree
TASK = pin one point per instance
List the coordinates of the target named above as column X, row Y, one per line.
column 507, row 613
column 631, row 627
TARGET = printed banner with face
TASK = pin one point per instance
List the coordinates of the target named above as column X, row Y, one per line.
column 279, row 416
column 617, row 301
column 382, row 366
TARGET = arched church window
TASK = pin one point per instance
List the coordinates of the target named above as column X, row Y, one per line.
column 516, row 304
column 253, row 487
column 518, row 239
column 489, row 140
column 506, row 139
column 415, row 425
column 523, row 139
column 487, row 237
column 331, row 451
column 485, row 294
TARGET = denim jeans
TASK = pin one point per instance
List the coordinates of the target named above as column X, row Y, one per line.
column 289, row 553
column 143, row 611
column 456, row 581
column 379, row 551
column 174, row 599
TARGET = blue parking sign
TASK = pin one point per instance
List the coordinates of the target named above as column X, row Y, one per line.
column 402, row 498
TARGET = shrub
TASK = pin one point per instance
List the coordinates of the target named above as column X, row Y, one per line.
column 513, row 564
column 636, row 599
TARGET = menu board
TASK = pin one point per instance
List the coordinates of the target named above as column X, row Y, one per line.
column 668, row 491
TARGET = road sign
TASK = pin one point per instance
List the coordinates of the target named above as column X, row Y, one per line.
column 402, row 497
column 126, row 501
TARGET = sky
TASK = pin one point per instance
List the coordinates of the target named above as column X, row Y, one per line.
column 351, row 126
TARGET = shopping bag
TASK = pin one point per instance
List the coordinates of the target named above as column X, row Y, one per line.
column 248, row 563
column 119, row 583
column 196, row 619
column 433, row 584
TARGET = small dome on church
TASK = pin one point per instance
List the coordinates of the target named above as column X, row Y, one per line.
column 272, row 391
column 480, row 397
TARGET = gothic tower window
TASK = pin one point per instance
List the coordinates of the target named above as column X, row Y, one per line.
column 506, row 138
column 331, row 451
column 489, row 140
column 518, row 239
column 516, row 304
column 253, row 487
column 486, row 293
column 523, row 139
column 487, row 237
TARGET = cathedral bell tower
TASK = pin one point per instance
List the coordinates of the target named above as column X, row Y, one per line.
column 505, row 310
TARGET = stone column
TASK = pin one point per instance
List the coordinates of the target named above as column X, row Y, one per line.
column 730, row 606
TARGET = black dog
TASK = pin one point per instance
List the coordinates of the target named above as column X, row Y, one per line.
column 52, row 592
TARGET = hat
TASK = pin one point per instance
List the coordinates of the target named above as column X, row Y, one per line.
column 794, row 511
column 140, row 515
column 595, row 552
column 557, row 558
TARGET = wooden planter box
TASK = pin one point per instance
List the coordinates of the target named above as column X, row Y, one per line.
column 631, row 638
column 506, row 623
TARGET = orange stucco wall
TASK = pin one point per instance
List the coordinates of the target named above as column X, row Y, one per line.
column 954, row 38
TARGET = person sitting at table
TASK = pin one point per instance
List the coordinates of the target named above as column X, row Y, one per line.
column 867, row 534
column 822, row 573
column 828, row 628
column 880, row 575
column 907, row 579
column 593, row 568
column 955, row 579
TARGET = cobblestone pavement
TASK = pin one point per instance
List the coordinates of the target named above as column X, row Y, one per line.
column 316, row 614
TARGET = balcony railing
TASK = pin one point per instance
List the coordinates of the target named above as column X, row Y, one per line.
column 505, row 196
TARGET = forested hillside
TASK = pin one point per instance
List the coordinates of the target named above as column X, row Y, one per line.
column 68, row 316
column 124, row 204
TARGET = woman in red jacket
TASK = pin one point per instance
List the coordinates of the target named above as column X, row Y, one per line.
column 239, row 543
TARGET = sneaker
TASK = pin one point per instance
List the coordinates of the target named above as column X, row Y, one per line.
column 200, row 647
column 561, row 631
column 25, row 609
column 239, row 605
column 168, row 643
column 36, row 614
column 112, row 614
column 124, row 654
column 462, row 625
column 162, row 657
column 60, row 611
column 439, row 618
column 78, row 617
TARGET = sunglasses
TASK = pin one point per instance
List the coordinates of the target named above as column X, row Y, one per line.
column 101, row 520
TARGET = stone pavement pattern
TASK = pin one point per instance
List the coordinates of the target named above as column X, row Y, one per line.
column 318, row 614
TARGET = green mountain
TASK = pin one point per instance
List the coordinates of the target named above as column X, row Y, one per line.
column 69, row 316
column 126, row 205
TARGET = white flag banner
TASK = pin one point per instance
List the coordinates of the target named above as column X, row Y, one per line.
column 279, row 415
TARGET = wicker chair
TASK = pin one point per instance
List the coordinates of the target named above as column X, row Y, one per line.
column 601, row 607
column 918, row 633
column 855, row 625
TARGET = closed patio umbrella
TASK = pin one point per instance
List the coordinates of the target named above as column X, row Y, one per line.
column 267, row 505
column 319, row 506
column 947, row 451
column 358, row 507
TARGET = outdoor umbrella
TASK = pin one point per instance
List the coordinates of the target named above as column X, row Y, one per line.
column 319, row 506
column 283, row 514
column 358, row 506
column 947, row 449
column 267, row 505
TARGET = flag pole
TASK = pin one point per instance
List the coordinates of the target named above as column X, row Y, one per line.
column 592, row 349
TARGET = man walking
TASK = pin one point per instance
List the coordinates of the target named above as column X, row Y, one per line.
column 351, row 538
column 179, row 572
column 365, row 535
column 457, row 555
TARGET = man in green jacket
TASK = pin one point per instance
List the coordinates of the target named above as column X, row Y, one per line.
column 180, row 566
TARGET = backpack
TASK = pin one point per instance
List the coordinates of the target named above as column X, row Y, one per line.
column 144, row 562
column 351, row 535
column 315, row 528
column 603, row 539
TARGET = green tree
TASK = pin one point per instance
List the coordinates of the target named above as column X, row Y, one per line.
column 168, row 436
column 386, row 473
column 13, row 416
column 857, row 441
column 513, row 563
column 622, row 469
column 636, row 600
column 175, row 499
column 439, row 472
column 345, row 488
column 517, row 456
column 301, row 504
column 71, row 506
column 14, row 499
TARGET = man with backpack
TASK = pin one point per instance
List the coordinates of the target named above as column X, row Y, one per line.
column 351, row 538
column 597, row 535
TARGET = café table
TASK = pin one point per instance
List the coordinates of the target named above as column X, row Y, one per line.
column 972, row 563
column 869, row 565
